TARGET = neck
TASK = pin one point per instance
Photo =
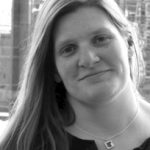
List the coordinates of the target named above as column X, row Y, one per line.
column 106, row 119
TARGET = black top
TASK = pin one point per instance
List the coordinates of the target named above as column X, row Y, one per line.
column 80, row 144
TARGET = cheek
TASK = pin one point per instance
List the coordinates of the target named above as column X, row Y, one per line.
column 118, row 57
column 66, row 69
column 119, row 51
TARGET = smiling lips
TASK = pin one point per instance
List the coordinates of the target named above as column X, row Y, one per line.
column 94, row 74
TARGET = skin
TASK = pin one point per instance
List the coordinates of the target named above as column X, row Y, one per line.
column 83, row 49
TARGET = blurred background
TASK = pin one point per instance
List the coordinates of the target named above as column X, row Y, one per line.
column 17, row 19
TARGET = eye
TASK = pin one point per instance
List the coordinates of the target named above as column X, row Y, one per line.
column 68, row 50
column 100, row 40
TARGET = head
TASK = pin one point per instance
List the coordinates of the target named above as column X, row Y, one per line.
column 42, row 53
column 42, row 99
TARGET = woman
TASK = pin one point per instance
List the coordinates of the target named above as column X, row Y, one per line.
column 80, row 83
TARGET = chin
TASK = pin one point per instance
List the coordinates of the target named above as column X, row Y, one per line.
column 102, row 95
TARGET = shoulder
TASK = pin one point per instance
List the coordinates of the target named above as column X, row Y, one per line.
column 145, row 145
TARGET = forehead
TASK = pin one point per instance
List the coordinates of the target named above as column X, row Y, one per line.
column 83, row 21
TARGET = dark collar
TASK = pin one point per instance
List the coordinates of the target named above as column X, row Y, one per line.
column 80, row 144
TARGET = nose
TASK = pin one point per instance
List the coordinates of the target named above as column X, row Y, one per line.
column 88, row 58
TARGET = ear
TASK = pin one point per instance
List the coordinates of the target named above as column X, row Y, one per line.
column 130, row 47
column 130, row 52
column 130, row 41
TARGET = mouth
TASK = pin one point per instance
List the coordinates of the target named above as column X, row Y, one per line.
column 94, row 74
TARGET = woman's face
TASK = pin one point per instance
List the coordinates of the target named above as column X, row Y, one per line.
column 91, row 56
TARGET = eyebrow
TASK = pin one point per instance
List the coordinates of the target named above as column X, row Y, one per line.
column 62, row 42
column 101, row 30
